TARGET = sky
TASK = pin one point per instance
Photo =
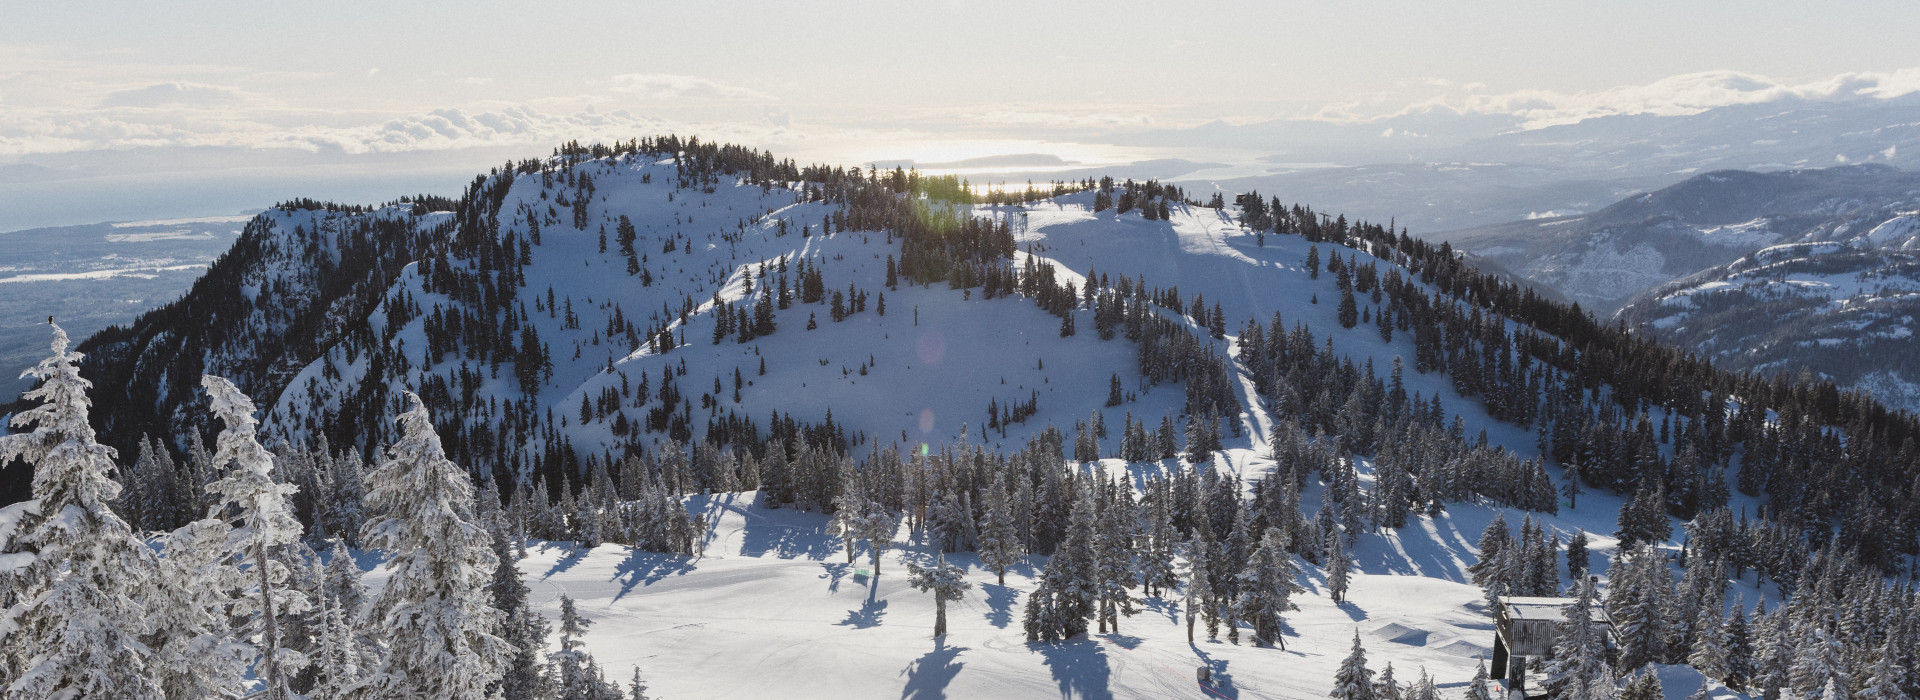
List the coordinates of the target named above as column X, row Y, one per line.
column 125, row 100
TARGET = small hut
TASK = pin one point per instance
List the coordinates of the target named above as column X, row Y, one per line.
column 1524, row 628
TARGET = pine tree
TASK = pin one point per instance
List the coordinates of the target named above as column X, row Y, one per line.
column 1709, row 654
column 945, row 581
column 1199, row 589
column 877, row 527
column 1267, row 587
column 1737, row 644
column 1635, row 600
column 1577, row 555
column 1339, row 568
column 74, row 569
column 1387, row 688
column 1885, row 677
column 339, row 657
column 525, row 676
column 1579, row 665
column 194, row 646
column 1644, row 685
column 257, row 509
column 1477, row 689
column 434, row 614
column 1353, row 681
column 999, row 543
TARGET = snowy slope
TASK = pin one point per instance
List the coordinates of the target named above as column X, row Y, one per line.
column 1843, row 308
column 773, row 608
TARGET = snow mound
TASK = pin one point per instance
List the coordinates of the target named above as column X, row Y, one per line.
column 1401, row 634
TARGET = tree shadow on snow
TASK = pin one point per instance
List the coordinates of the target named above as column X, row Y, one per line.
column 648, row 568
column 570, row 555
column 1079, row 667
column 1222, row 680
column 1353, row 611
column 835, row 572
column 786, row 538
column 928, row 676
column 1160, row 605
column 870, row 612
column 1001, row 599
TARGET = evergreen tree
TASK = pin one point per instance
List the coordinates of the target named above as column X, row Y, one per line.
column 945, row 581
column 1577, row 555
column 1266, row 588
column 1579, row 669
column 1736, row 643
column 1339, row 568
column 999, row 542
column 525, row 676
column 1387, row 688
column 1353, row 681
column 434, row 614
column 1885, row 678
column 1199, row 589
column 74, row 574
column 1644, row 685
column 256, row 508
column 1709, row 654
column 1477, row 689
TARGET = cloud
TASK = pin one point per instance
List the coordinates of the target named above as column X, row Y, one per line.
column 436, row 130
column 665, row 86
column 1679, row 95
column 1058, row 119
column 189, row 95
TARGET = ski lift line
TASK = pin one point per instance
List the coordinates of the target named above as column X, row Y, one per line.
column 1169, row 669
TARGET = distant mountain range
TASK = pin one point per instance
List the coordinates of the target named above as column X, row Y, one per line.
column 1766, row 272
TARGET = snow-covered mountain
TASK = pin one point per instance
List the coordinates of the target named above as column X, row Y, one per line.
column 1604, row 258
column 626, row 331
column 1842, row 305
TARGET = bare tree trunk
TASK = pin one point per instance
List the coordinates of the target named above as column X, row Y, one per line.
column 276, row 686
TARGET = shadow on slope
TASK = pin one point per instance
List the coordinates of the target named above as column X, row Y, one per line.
column 928, row 676
column 1079, row 667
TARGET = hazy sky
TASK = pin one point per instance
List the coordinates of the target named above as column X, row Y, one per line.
column 206, row 86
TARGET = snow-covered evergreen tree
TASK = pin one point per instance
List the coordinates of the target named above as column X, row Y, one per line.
column 580, row 677
column 637, row 689
column 1387, row 687
column 340, row 658
column 72, row 574
column 256, row 507
column 945, row 581
column 877, row 526
column 1737, row 644
column 1477, row 689
column 1266, row 588
column 1885, row 677
column 1353, row 681
column 1339, row 568
column 999, row 542
column 525, row 676
column 195, row 649
column 434, row 615
column 1199, row 590
column 1820, row 661
column 1636, row 594
column 1579, row 665
column 1644, row 685
column 1709, row 654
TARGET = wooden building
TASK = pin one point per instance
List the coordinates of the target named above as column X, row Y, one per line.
column 1525, row 629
